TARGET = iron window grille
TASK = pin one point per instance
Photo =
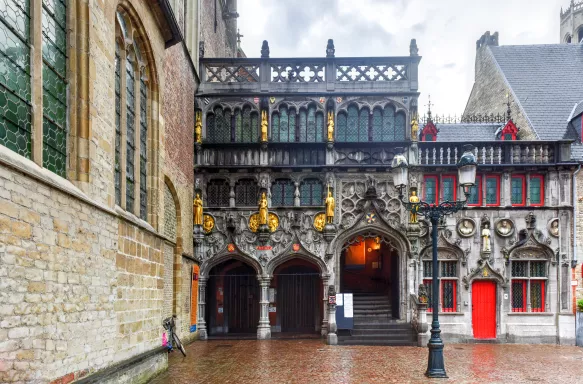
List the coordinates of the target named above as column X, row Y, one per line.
column 246, row 193
column 448, row 284
column 218, row 193
column 282, row 193
column 311, row 192
column 528, row 285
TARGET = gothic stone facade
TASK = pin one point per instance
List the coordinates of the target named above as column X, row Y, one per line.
column 295, row 163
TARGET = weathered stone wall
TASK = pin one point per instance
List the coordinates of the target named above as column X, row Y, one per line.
column 216, row 38
column 578, row 204
column 489, row 93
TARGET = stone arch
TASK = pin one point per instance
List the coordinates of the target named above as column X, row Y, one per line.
column 208, row 264
column 172, row 230
column 484, row 272
column 301, row 253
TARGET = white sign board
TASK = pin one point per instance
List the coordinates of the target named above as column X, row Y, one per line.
column 348, row 305
column 339, row 300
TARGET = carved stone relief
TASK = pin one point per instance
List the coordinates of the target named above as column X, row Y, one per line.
column 505, row 228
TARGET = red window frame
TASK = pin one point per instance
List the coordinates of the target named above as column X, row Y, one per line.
column 522, row 282
column 542, row 292
column 523, row 177
column 497, row 177
column 441, row 291
column 478, row 187
column 542, row 190
column 454, row 178
column 425, row 178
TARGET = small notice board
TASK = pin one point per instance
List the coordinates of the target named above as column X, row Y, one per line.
column 344, row 311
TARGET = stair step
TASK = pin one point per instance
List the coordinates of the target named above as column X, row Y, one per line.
column 384, row 327
column 393, row 343
column 382, row 332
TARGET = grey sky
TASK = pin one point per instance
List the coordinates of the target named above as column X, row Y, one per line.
column 446, row 33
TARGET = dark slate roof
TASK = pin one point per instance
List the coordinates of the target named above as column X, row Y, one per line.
column 546, row 81
column 467, row 132
column 578, row 109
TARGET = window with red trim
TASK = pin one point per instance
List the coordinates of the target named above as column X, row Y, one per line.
column 431, row 189
column 448, row 185
column 537, row 190
column 475, row 198
column 492, row 190
column 448, row 281
column 518, row 190
column 429, row 132
column 509, row 131
column 528, row 285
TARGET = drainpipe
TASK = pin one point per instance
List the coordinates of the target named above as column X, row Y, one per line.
column 574, row 260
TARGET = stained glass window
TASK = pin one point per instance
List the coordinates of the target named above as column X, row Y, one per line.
column 448, row 284
column 492, row 195
column 246, row 193
column 282, row 193
column 448, row 295
column 363, row 125
column 377, row 125
column 143, row 149
column 54, row 52
column 117, row 125
column 536, row 186
column 352, row 128
column 246, row 127
column 303, row 125
column 218, row 126
column 475, row 192
column 519, row 269
column 130, row 134
column 281, row 130
column 400, row 126
column 527, row 276
column 311, row 192
column 537, row 289
column 15, row 80
column 448, row 188
column 218, row 193
column 431, row 189
column 517, row 191
column 341, row 127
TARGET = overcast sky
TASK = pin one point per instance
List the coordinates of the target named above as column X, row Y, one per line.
column 446, row 33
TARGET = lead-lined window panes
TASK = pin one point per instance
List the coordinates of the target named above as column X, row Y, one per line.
column 218, row 192
column 117, row 125
column 311, row 192
column 130, row 135
column 54, row 53
column 528, row 285
column 448, row 282
column 143, row 149
column 15, row 77
column 246, row 193
column 282, row 193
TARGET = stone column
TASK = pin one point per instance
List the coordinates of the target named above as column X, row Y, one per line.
column 201, row 324
column 264, row 329
column 324, row 329
column 332, row 337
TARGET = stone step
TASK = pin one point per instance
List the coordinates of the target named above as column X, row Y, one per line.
column 382, row 325
column 383, row 332
column 394, row 343
column 372, row 305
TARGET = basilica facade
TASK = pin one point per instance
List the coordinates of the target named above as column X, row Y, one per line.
column 293, row 170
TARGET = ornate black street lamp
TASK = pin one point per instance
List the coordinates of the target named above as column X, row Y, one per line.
column 467, row 166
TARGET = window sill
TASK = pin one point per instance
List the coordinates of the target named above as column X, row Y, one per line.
column 446, row 313
column 530, row 314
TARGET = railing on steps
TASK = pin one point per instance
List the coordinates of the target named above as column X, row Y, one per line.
column 419, row 320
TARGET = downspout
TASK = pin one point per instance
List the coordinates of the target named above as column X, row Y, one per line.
column 574, row 259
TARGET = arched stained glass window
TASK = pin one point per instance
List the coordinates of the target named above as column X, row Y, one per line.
column 246, row 193
column 341, row 127
column 282, row 193
column 303, row 125
column 117, row 124
column 363, row 125
column 377, row 125
column 319, row 126
column 389, row 132
column 143, row 148
column 352, row 126
column 386, row 125
column 240, row 126
column 218, row 193
column 280, row 127
column 311, row 192
column 311, row 125
column 400, row 126
column 130, row 133
column 245, row 131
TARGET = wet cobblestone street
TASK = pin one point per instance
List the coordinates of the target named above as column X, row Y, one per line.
column 311, row 361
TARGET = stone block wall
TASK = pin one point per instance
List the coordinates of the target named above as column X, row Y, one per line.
column 578, row 205
column 214, row 31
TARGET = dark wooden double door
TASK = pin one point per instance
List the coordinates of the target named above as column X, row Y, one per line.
column 298, row 301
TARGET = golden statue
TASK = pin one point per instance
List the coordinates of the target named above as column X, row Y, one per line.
column 263, row 209
column 414, row 129
column 264, row 126
column 413, row 199
column 197, row 210
column 208, row 223
column 320, row 222
column 273, row 222
column 330, row 205
column 330, row 126
column 198, row 128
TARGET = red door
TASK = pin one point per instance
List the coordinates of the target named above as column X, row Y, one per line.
column 484, row 309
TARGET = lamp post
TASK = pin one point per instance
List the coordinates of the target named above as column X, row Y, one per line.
column 467, row 166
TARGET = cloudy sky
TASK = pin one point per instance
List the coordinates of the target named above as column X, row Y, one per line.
column 446, row 33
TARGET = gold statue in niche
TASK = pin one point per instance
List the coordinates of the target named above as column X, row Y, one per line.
column 208, row 223
column 197, row 204
column 272, row 222
column 330, row 126
column 413, row 199
column 330, row 205
column 264, row 126
column 320, row 221
column 198, row 128
column 414, row 129
column 263, row 214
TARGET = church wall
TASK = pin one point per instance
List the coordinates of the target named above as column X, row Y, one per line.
column 219, row 39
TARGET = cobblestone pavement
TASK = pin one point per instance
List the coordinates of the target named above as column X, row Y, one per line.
column 311, row 361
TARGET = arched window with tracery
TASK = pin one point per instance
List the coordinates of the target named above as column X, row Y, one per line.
column 353, row 125
column 387, row 125
column 238, row 126
column 218, row 193
column 311, row 192
column 283, row 125
column 246, row 193
column 311, row 125
column 133, row 74
column 282, row 193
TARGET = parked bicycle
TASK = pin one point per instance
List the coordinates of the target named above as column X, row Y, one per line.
column 173, row 341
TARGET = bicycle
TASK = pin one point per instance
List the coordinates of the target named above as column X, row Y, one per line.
column 170, row 326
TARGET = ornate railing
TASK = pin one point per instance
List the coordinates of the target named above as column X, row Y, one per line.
column 500, row 118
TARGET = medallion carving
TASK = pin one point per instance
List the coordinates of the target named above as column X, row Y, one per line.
column 208, row 223
column 320, row 221
column 466, row 227
column 553, row 227
column 272, row 222
column 504, row 228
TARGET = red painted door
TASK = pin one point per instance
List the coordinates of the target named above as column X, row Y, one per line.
column 484, row 309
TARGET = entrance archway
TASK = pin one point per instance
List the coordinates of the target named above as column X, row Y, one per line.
column 232, row 299
column 297, row 298
column 370, row 266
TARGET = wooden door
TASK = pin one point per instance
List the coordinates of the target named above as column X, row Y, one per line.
column 242, row 300
column 484, row 309
column 298, row 297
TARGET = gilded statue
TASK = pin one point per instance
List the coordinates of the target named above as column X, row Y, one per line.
column 197, row 210
column 320, row 221
column 198, row 128
column 208, row 223
column 264, row 126
column 263, row 209
column 273, row 222
column 413, row 199
column 486, row 239
column 330, row 126
column 330, row 206
column 414, row 129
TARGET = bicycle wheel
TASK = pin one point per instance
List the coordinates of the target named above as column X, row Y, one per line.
column 178, row 343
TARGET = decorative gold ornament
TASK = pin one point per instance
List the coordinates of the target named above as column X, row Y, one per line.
column 330, row 206
column 263, row 209
column 198, row 127
column 272, row 222
column 330, row 126
column 413, row 199
column 414, row 129
column 485, row 272
column 208, row 223
column 320, row 221
column 272, row 99
column 264, row 126
column 197, row 208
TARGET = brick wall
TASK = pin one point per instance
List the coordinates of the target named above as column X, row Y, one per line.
column 216, row 39
column 489, row 94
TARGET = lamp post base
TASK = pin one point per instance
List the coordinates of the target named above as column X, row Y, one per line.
column 435, row 364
